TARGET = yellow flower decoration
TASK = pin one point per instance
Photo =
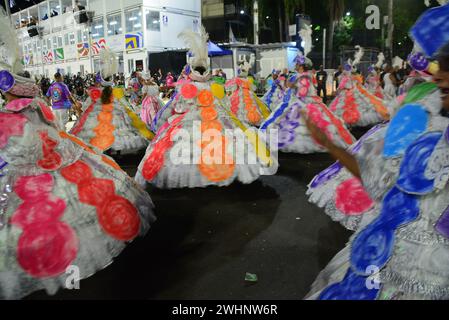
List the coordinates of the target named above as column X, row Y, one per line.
column 218, row 90
column 118, row 93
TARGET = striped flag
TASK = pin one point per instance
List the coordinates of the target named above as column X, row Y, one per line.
column 97, row 46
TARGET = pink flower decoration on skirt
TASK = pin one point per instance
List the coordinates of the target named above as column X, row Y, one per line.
column 11, row 124
column 352, row 199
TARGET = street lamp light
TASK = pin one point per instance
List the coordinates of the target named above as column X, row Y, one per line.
column 348, row 13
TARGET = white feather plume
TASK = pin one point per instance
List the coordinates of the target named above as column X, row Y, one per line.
column 397, row 62
column 306, row 35
column 380, row 60
column 109, row 63
column 197, row 43
column 10, row 53
column 358, row 55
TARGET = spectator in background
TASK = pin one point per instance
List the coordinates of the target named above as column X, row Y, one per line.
column 222, row 74
column 157, row 77
column 170, row 80
column 337, row 77
column 61, row 100
column 322, row 81
column 285, row 73
column 78, row 6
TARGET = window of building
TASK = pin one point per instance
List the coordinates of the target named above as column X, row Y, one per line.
column 55, row 8
column 55, row 42
column 16, row 20
column 43, row 11
column 98, row 28
column 48, row 44
column 133, row 20
column 44, row 45
column 114, row 24
column 59, row 41
column 66, row 39
column 34, row 46
column 153, row 20
column 72, row 38
column 66, row 6
column 79, row 34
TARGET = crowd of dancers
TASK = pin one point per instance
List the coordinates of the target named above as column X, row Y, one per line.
column 65, row 201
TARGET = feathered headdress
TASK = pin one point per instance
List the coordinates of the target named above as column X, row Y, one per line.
column 108, row 66
column 246, row 66
column 358, row 56
column 380, row 60
column 197, row 44
column 397, row 62
column 306, row 35
column 350, row 65
column 11, row 67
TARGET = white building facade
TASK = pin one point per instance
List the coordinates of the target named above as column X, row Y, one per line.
column 131, row 28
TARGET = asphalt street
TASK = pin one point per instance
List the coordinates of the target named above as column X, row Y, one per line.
column 206, row 240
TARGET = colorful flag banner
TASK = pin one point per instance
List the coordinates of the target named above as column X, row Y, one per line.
column 59, row 54
column 28, row 59
column 83, row 49
column 134, row 40
column 47, row 57
column 97, row 46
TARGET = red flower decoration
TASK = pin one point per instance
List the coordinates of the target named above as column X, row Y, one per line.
column 189, row 91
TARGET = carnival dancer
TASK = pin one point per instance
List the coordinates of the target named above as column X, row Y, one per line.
column 403, row 244
column 151, row 103
column 168, row 110
column 293, row 134
column 109, row 123
column 373, row 80
column 62, row 100
column 353, row 103
column 245, row 104
column 275, row 90
column 135, row 89
column 203, row 144
column 390, row 84
column 62, row 204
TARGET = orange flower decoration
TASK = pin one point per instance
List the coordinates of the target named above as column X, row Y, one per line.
column 189, row 91
column 217, row 172
column 211, row 125
column 105, row 117
column 209, row 114
column 205, row 98
column 253, row 117
column 108, row 108
column 104, row 129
